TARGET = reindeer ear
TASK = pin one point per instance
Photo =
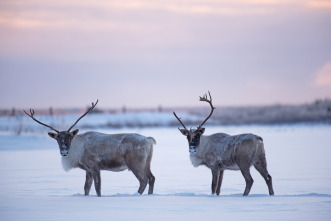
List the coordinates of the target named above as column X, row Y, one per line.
column 202, row 130
column 52, row 135
column 74, row 133
column 183, row 131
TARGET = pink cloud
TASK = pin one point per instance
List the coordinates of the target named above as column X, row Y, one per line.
column 324, row 4
column 323, row 75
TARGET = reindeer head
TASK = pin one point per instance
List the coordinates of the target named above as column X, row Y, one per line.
column 63, row 138
column 193, row 136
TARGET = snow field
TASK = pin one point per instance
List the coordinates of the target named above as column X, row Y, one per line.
column 35, row 187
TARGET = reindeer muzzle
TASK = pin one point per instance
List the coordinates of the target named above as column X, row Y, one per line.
column 193, row 150
column 64, row 152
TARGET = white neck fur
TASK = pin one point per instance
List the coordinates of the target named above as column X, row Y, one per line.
column 75, row 153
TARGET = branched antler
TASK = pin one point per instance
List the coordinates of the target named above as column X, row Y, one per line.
column 31, row 115
column 91, row 108
column 205, row 98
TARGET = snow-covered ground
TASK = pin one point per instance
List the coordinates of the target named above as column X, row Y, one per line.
column 35, row 187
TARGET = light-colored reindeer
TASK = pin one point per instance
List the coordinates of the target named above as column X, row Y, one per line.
column 93, row 151
column 221, row 152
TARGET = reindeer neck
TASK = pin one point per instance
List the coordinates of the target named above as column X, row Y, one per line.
column 76, row 150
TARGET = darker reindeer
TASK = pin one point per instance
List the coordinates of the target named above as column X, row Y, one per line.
column 93, row 151
column 221, row 152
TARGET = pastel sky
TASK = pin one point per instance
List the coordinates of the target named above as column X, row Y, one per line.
column 146, row 53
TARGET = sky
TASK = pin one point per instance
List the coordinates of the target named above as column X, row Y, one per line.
column 150, row 53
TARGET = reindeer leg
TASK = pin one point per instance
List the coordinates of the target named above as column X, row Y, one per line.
column 214, row 184
column 262, row 168
column 220, row 179
column 151, row 178
column 88, row 183
column 248, row 178
column 151, row 181
column 97, row 181
column 269, row 183
column 142, row 181
column 141, row 176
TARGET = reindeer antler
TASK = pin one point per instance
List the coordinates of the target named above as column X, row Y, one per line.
column 179, row 120
column 204, row 98
column 31, row 115
column 91, row 108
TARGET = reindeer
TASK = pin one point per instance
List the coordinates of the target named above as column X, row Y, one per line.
column 93, row 151
column 221, row 152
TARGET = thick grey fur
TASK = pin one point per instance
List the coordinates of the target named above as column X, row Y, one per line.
column 94, row 151
column 221, row 152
